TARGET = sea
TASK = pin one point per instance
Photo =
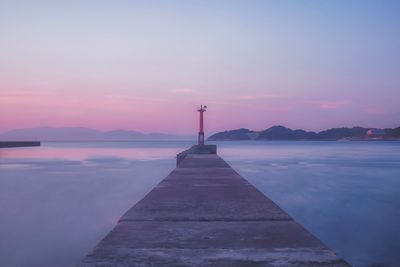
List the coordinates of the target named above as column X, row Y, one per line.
column 57, row 201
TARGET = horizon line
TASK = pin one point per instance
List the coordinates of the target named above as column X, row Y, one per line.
column 188, row 134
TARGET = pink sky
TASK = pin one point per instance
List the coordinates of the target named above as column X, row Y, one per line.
column 255, row 66
column 174, row 110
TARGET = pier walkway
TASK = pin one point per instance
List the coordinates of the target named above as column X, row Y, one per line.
column 205, row 214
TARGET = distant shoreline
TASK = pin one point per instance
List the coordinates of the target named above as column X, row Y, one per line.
column 9, row 144
column 281, row 133
column 308, row 140
column 97, row 141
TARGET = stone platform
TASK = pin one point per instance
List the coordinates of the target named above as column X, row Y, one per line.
column 7, row 144
column 205, row 214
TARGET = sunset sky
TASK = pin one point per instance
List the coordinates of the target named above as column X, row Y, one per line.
column 147, row 65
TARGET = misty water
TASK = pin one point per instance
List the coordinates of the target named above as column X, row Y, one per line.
column 59, row 200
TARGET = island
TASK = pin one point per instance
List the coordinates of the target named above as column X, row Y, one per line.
column 283, row 133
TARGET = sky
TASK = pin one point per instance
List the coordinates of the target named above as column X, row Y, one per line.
column 147, row 65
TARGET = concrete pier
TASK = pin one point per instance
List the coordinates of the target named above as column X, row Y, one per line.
column 4, row 144
column 205, row 214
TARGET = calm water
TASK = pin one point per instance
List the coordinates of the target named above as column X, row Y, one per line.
column 57, row 201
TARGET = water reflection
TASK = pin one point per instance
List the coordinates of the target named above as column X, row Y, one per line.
column 84, row 150
column 348, row 195
column 57, row 201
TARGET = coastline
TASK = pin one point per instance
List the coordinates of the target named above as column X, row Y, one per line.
column 8, row 144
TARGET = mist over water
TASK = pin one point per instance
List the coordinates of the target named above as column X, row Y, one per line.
column 346, row 193
column 59, row 200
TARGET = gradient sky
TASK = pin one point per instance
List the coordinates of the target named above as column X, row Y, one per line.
column 146, row 65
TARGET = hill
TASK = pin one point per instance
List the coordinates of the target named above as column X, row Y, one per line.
column 283, row 133
column 83, row 134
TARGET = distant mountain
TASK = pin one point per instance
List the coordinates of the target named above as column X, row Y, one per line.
column 284, row 133
column 83, row 134
column 239, row 134
column 340, row 133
